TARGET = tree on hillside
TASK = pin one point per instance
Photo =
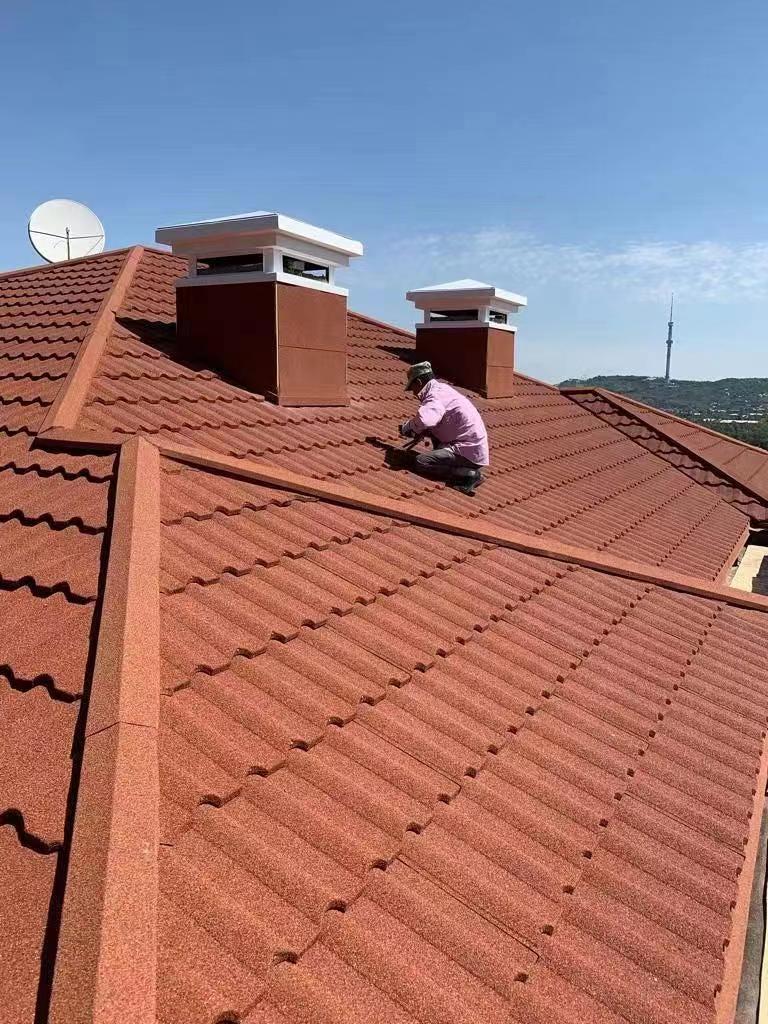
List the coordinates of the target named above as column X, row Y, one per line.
column 750, row 433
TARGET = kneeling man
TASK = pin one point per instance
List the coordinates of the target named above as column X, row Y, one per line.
column 457, row 428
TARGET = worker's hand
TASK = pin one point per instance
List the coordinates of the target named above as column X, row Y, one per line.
column 406, row 430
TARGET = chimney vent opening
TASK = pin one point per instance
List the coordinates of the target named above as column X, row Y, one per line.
column 247, row 264
column 436, row 315
column 495, row 316
column 303, row 268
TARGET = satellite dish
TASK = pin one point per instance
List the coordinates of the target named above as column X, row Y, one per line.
column 62, row 229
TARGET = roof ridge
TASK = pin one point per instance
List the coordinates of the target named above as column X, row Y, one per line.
column 161, row 252
column 681, row 419
column 5, row 274
column 444, row 522
column 642, row 406
column 69, row 401
column 618, row 401
column 381, row 323
column 107, row 951
column 409, row 511
column 535, row 380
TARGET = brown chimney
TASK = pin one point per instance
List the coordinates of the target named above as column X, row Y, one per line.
column 466, row 334
column 260, row 304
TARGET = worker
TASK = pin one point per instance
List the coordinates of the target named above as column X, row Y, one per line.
column 455, row 425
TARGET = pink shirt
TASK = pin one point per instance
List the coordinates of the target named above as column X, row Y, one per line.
column 453, row 420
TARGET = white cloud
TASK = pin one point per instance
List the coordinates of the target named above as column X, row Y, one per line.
column 695, row 271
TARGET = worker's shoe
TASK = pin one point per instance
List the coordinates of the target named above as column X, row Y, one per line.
column 466, row 480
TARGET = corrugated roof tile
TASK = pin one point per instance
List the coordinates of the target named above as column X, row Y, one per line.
column 35, row 748
column 27, row 883
column 45, row 640
column 535, row 431
column 53, row 514
column 404, row 775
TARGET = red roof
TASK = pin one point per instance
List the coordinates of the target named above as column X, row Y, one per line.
column 703, row 454
column 53, row 517
column 557, row 468
column 743, row 462
column 358, row 748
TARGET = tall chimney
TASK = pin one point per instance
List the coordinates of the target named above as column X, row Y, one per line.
column 467, row 336
column 259, row 303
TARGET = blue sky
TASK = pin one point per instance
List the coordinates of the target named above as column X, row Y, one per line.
column 593, row 156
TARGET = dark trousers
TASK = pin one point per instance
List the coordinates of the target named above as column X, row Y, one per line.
column 444, row 463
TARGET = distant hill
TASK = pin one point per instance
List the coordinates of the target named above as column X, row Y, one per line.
column 718, row 403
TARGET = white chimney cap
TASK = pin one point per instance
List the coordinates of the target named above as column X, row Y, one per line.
column 259, row 228
column 465, row 293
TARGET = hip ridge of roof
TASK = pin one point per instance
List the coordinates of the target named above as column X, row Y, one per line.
column 637, row 410
column 421, row 515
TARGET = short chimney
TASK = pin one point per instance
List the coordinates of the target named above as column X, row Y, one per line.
column 467, row 336
column 260, row 304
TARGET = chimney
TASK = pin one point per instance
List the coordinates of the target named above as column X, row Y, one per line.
column 467, row 336
column 259, row 303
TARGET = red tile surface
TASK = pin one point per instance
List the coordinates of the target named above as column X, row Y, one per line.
column 737, row 472
column 36, row 740
column 556, row 467
column 53, row 517
column 522, row 773
column 745, row 464
column 27, row 883
column 405, row 776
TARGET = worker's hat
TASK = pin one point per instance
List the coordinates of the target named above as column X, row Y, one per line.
column 418, row 370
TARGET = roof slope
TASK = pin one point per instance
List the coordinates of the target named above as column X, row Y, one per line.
column 53, row 517
column 349, row 757
column 556, row 468
column 482, row 811
column 408, row 775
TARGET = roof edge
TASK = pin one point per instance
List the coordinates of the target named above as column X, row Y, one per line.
column 67, row 405
column 729, row 993
column 733, row 554
column 37, row 267
column 106, row 963
column 619, row 402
